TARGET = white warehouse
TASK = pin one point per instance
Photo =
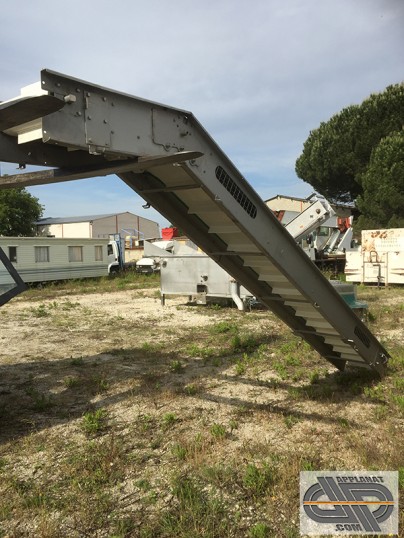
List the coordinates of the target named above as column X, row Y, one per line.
column 99, row 226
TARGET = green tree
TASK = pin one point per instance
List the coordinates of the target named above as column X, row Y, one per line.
column 328, row 161
column 19, row 211
column 382, row 201
column 337, row 154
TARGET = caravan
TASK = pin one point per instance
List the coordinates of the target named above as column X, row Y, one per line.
column 41, row 259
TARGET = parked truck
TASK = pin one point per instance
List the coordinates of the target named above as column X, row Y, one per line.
column 117, row 255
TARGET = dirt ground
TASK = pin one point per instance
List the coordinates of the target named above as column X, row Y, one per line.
column 40, row 343
column 183, row 389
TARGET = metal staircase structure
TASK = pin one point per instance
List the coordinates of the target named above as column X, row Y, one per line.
column 164, row 154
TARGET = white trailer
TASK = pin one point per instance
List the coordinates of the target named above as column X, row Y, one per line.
column 379, row 259
column 41, row 259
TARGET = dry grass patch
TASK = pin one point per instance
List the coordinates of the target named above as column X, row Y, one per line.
column 121, row 418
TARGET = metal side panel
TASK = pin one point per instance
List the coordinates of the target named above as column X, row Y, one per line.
column 11, row 284
column 206, row 196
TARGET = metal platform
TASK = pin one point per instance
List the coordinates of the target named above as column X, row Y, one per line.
column 166, row 156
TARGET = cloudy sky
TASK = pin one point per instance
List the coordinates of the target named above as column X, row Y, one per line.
column 258, row 75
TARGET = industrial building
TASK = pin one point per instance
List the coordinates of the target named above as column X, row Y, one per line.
column 99, row 226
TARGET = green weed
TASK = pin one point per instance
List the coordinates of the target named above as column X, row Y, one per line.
column 375, row 393
column 292, row 360
column 176, row 367
column 40, row 311
column 71, row 382
column 290, row 421
column 343, row 422
column 169, row 419
column 381, row 412
column 151, row 347
column 94, row 422
column 218, row 431
column 179, row 451
column 145, row 422
column 78, row 361
column 215, row 306
column 258, row 480
column 31, row 494
column 241, row 343
column 398, row 400
column 307, row 465
column 219, row 474
column 143, row 484
column 194, row 350
column 101, row 384
column 399, row 383
column 96, row 464
column 241, row 367
column 259, row 530
column 288, row 347
column 191, row 389
column 123, row 528
column 314, row 377
column 233, row 424
column 196, row 513
column 41, row 402
column 222, row 327
column 280, row 369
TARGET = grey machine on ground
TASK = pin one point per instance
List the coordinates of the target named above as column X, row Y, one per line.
column 82, row 130
column 185, row 270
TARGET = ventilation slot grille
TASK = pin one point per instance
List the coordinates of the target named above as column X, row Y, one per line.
column 236, row 192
